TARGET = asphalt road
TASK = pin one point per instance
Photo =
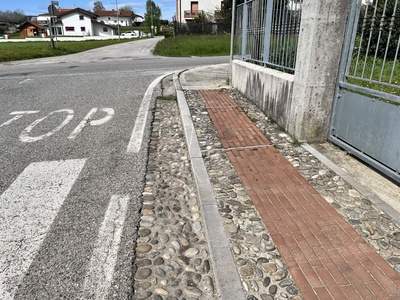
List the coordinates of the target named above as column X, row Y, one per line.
column 73, row 146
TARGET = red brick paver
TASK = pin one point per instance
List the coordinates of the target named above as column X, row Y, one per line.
column 325, row 255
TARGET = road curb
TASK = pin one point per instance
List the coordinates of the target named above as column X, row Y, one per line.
column 228, row 282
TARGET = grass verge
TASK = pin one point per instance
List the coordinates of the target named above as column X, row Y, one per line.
column 194, row 45
column 12, row 51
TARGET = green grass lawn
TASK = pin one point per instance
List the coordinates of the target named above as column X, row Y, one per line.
column 376, row 71
column 189, row 45
column 194, row 45
column 11, row 51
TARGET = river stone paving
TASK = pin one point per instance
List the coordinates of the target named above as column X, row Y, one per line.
column 172, row 256
column 172, row 253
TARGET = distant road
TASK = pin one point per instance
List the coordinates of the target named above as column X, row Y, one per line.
column 73, row 136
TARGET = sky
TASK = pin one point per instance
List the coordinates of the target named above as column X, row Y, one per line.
column 37, row 7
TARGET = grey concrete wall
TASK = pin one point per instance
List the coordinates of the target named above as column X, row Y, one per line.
column 302, row 103
column 322, row 31
column 269, row 89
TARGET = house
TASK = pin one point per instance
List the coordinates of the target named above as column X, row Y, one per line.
column 75, row 22
column 30, row 28
column 124, row 18
column 188, row 10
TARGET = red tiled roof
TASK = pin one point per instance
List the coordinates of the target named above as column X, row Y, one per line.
column 112, row 13
column 58, row 11
column 32, row 24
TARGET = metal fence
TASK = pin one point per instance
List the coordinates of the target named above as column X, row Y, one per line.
column 268, row 31
column 375, row 55
column 203, row 28
column 365, row 119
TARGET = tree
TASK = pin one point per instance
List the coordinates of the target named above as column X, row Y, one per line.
column 98, row 5
column 226, row 10
column 126, row 8
column 152, row 15
column 17, row 16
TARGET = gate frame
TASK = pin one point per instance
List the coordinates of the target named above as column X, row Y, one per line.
column 345, row 62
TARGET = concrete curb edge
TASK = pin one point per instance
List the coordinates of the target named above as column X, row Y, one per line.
column 228, row 282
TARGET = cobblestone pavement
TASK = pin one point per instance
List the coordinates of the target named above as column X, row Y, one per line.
column 172, row 253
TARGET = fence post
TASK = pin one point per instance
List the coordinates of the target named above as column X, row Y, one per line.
column 322, row 33
column 245, row 19
column 267, row 31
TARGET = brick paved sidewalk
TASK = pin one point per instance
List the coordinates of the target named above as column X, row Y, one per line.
column 327, row 258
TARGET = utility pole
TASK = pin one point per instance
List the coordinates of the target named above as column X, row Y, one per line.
column 116, row 8
column 151, row 12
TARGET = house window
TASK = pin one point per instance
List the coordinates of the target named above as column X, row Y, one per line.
column 83, row 28
column 69, row 28
column 105, row 29
column 81, row 17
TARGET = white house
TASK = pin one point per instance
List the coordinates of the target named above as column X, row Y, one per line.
column 125, row 17
column 75, row 22
column 188, row 10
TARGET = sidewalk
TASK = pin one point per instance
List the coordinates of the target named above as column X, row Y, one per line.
column 282, row 239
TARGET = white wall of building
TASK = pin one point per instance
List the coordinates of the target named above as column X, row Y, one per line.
column 80, row 27
column 207, row 6
column 111, row 20
column 101, row 30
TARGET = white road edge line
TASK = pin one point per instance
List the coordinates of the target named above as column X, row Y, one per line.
column 101, row 269
column 27, row 210
column 135, row 142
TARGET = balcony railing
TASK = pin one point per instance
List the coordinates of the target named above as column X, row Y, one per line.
column 191, row 14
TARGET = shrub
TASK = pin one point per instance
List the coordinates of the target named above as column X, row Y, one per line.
column 383, row 23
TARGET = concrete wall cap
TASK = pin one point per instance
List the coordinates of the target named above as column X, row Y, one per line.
column 268, row 71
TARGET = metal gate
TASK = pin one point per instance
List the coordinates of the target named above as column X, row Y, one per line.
column 366, row 113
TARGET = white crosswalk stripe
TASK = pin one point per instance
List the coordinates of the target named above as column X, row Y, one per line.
column 99, row 277
column 27, row 210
